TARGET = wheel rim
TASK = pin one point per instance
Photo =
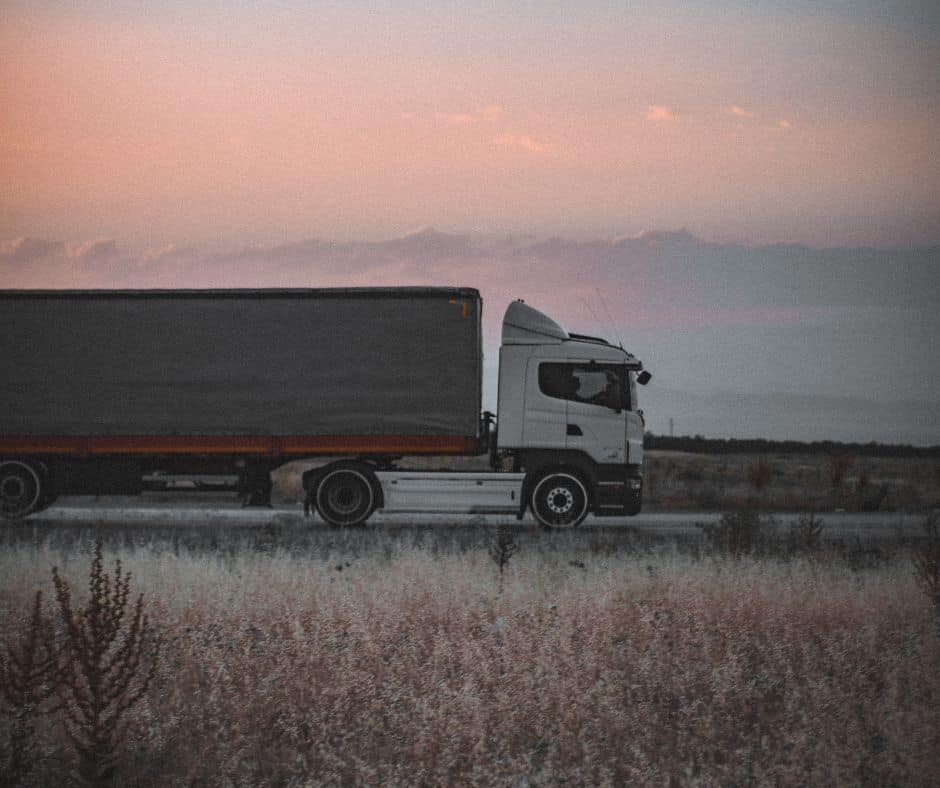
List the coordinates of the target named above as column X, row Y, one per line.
column 19, row 488
column 560, row 501
column 345, row 497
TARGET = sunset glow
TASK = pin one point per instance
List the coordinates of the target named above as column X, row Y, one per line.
column 269, row 122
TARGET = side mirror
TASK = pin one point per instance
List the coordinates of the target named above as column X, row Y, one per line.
column 644, row 377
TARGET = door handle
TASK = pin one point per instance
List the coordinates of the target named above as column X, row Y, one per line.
column 574, row 429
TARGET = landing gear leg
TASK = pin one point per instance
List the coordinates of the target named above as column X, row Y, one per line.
column 254, row 485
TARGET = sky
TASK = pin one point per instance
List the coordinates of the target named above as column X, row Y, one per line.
column 747, row 193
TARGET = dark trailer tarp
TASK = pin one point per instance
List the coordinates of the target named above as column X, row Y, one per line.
column 359, row 362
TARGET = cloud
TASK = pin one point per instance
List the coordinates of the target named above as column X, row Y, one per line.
column 741, row 112
column 311, row 249
column 522, row 141
column 21, row 251
column 100, row 251
column 169, row 260
column 456, row 118
column 658, row 238
column 659, row 113
column 425, row 243
column 712, row 276
column 312, row 262
column 490, row 114
column 163, row 253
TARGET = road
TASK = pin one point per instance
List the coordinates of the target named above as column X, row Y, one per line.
column 221, row 510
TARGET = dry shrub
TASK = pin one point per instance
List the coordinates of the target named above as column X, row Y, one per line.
column 707, row 497
column 502, row 547
column 862, row 482
column 806, row 532
column 692, row 473
column 927, row 563
column 759, row 473
column 28, row 677
column 738, row 532
column 837, row 466
column 93, row 660
column 109, row 660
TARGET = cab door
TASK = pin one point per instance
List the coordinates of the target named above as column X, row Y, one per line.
column 545, row 418
column 595, row 413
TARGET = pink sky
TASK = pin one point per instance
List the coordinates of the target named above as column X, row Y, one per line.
column 202, row 122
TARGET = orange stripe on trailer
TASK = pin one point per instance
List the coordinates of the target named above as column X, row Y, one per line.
column 464, row 308
column 271, row 445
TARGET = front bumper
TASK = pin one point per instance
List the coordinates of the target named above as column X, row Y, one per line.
column 616, row 498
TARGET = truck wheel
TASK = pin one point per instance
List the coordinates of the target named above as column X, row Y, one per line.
column 345, row 496
column 20, row 488
column 559, row 500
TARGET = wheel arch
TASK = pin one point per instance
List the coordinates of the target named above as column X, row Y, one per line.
column 311, row 479
column 35, row 471
column 537, row 463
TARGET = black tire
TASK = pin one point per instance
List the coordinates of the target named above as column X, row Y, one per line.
column 346, row 496
column 46, row 479
column 559, row 500
column 21, row 489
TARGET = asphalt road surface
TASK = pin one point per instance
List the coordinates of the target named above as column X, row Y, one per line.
column 223, row 510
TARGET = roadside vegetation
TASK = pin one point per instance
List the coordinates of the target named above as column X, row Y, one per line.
column 352, row 657
column 677, row 480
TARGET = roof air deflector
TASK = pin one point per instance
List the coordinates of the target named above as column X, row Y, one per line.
column 523, row 325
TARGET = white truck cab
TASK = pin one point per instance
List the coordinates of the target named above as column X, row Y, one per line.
column 570, row 400
column 563, row 391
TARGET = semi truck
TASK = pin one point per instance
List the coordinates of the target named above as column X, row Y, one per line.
column 121, row 391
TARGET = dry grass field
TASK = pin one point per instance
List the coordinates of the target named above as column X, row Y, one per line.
column 790, row 482
column 374, row 658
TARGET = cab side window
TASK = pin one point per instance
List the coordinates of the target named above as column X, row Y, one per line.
column 604, row 385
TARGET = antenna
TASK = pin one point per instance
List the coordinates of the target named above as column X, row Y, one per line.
column 613, row 325
column 597, row 320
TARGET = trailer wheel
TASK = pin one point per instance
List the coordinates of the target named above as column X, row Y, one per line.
column 48, row 493
column 346, row 496
column 21, row 488
column 559, row 500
